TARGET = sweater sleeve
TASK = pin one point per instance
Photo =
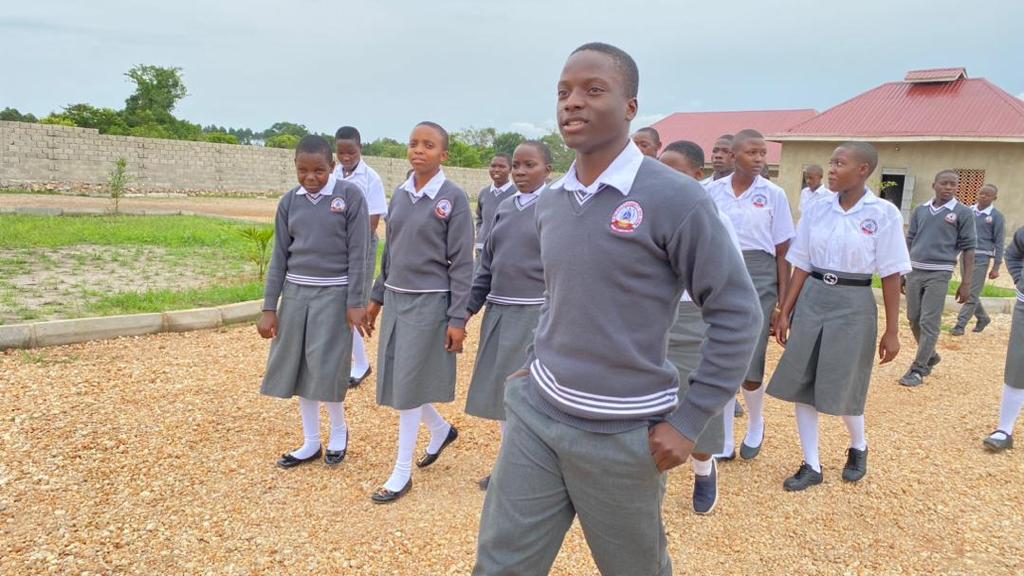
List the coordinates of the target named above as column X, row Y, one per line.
column 358, row 229
column 999, row 231
column 1015, row 258
column 482, row 280
column 279, row 257
column 967, row 234
column 460, row 260
column 715, row 276
column 912, row 230
column 479, row 222
column 377, row 293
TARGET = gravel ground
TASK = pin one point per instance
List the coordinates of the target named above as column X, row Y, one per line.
column 154, row 455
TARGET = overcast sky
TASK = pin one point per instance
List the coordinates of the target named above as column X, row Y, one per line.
column 383, row 65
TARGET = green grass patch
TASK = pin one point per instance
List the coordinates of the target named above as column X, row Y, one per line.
column 954, row 285
column 169, row 299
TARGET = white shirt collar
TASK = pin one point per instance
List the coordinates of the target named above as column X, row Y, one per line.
column 948, row 205
column 360, row 169
column 867, row 199
column 430, row 190
column 726, row 182
column 620, row 174
column 986, row 211
column 503, row 189
column 327, row 190
column 821, row 189
column 524, row 199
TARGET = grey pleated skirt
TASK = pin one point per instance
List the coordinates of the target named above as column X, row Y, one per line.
column 1014, row 372
column 506, row 333
column 312, row 353
column 764, row 273
column 413, row 368
column 831, row 349
column 684, row 341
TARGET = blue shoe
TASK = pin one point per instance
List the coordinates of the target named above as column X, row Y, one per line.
column 705, row 490
column 912, row 379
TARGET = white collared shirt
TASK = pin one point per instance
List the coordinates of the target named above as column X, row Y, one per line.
column 948, row 205
column 986, row 211
column 523, row 200
column 619, row 175
column 370, row 183
column 866, row 239
column 327, row 190
column 430, row 190
column 761, row 215
column 504, row 188
column 807, row 196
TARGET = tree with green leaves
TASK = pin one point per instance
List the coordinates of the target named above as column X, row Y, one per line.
column 157, row 89
column 12, row 115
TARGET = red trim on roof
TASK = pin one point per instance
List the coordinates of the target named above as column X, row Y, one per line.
column 705, row 127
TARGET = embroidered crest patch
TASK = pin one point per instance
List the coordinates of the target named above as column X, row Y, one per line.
column 951, row 217
column 338, row 205
column 988, row 220
column 759, row 200
column 443, row 208
column 869, row 227
column 627, row 217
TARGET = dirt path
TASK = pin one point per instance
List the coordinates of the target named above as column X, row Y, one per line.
column 249, row 208
column 154, row 455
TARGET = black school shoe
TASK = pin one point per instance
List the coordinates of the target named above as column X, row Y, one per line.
column 727, row 457
column 934, row 360
column 335, row 457
column 355, row 382
column 856, row 464
column 289, row 461
column 385, row 496
column 912, row 379
column 484, row 482
column 981, row 325
column 705, row 491
column 429, row 458
column 957, row 331
column 750, row 452
column 998, row 441
column 804, row 478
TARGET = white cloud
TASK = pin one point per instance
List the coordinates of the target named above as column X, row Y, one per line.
column 647, row 119
column 532, row 130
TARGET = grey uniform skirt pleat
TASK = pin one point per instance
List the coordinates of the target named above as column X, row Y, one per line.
column 764, row 273
column 684, row 341
column 413, row 367
column 312, row 353
column 831, row 349
column 506, row 333
column 1014, row 372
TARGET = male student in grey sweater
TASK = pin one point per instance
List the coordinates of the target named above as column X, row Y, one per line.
column 990, row 226
column 594, row 419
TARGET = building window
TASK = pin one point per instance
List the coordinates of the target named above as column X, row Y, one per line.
column 970, row 182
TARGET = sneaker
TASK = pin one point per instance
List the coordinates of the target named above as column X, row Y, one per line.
column 982, row 323
column 705, row 491
column 912, row 379
column 856, row 464
column 738, row 410
column 957, row 331
column 804, row 478
column 998, row 441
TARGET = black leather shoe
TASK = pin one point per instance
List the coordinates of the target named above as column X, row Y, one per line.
column 727, row 458
column 385, row 496
column 856, row 464
column 335, row 457
column 999, row 441
column 355, row 382
column 484, row 482
column 429, row 458
column 289, row 461
column 804, row 478
column 981, row 325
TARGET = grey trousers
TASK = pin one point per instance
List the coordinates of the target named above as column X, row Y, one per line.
column 547, row 473
column 973, row 306
column 926, row 297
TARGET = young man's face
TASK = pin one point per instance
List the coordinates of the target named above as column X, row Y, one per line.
column 313, row 171
column 751, row 155
column 845, row 171
column 645, row 142
column 721, row 157
column 813, row 178
column 680, row 163
column 348, row 153
column 945, row 186
column 986, row 196
column 593, row 109
column 499, row 170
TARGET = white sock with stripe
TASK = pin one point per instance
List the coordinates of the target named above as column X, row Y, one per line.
column 729, row 417
column 807, row 426
column 310, row 412
column 1009, row 409
column 339, row 428
column 755, row 414
column 438, row 426
column 408, row 429
column 360, row 362
column 855, row 426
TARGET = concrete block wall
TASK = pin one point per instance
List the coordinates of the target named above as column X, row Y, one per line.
column 62, row 158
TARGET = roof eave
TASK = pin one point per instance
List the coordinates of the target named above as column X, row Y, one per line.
column 840, row 138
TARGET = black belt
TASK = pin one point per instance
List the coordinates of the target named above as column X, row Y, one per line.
column 834, row 279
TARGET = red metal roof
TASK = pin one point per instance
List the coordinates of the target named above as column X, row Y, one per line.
column 704, row 127
column 936, row 75
column 964, row 108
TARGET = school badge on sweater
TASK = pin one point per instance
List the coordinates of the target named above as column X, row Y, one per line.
column 338, row 205
column 443, row 208
column 951, row 218
column 627, row 217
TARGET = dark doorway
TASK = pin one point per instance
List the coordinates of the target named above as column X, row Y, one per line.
column 892, row 188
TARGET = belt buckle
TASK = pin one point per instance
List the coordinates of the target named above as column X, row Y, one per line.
column 830, row 279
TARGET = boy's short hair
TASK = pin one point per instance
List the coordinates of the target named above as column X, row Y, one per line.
column 864, row 152
column 946, row 171
column 725, row 138
column 623, row 61
column 815, row 169
column 508, row 159
column 689, row 150
column 440, row 130
column 743, row 135
column 653, row 132
column 348, row 133
column 313, row 144
column 541, row 147
column 992, row 186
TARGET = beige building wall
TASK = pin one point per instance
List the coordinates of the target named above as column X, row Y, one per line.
column 1003, row 164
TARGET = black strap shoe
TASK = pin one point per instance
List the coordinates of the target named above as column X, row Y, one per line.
column 998, row 441
column 385, row 496
column 804, row 478
column 289, row 461
column 355, row 382
column 335, row 457
column 856, row 464
column 429, row 458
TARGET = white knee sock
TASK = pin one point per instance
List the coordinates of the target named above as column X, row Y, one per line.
column 438, row 426
column 701, row 468
column 408, row 428
column 755, row 414
column 360, row 362
column 855, row 426
column 339, row 428
column 1009, row 410
column 310, row 411
column 807, row 426
column 729, row 416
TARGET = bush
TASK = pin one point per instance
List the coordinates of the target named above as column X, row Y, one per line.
column 57, row 120
column 117, row 181
column 220, row 138
column 289, row 141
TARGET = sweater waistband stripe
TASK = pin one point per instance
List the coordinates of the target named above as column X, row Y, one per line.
column 650, row 404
